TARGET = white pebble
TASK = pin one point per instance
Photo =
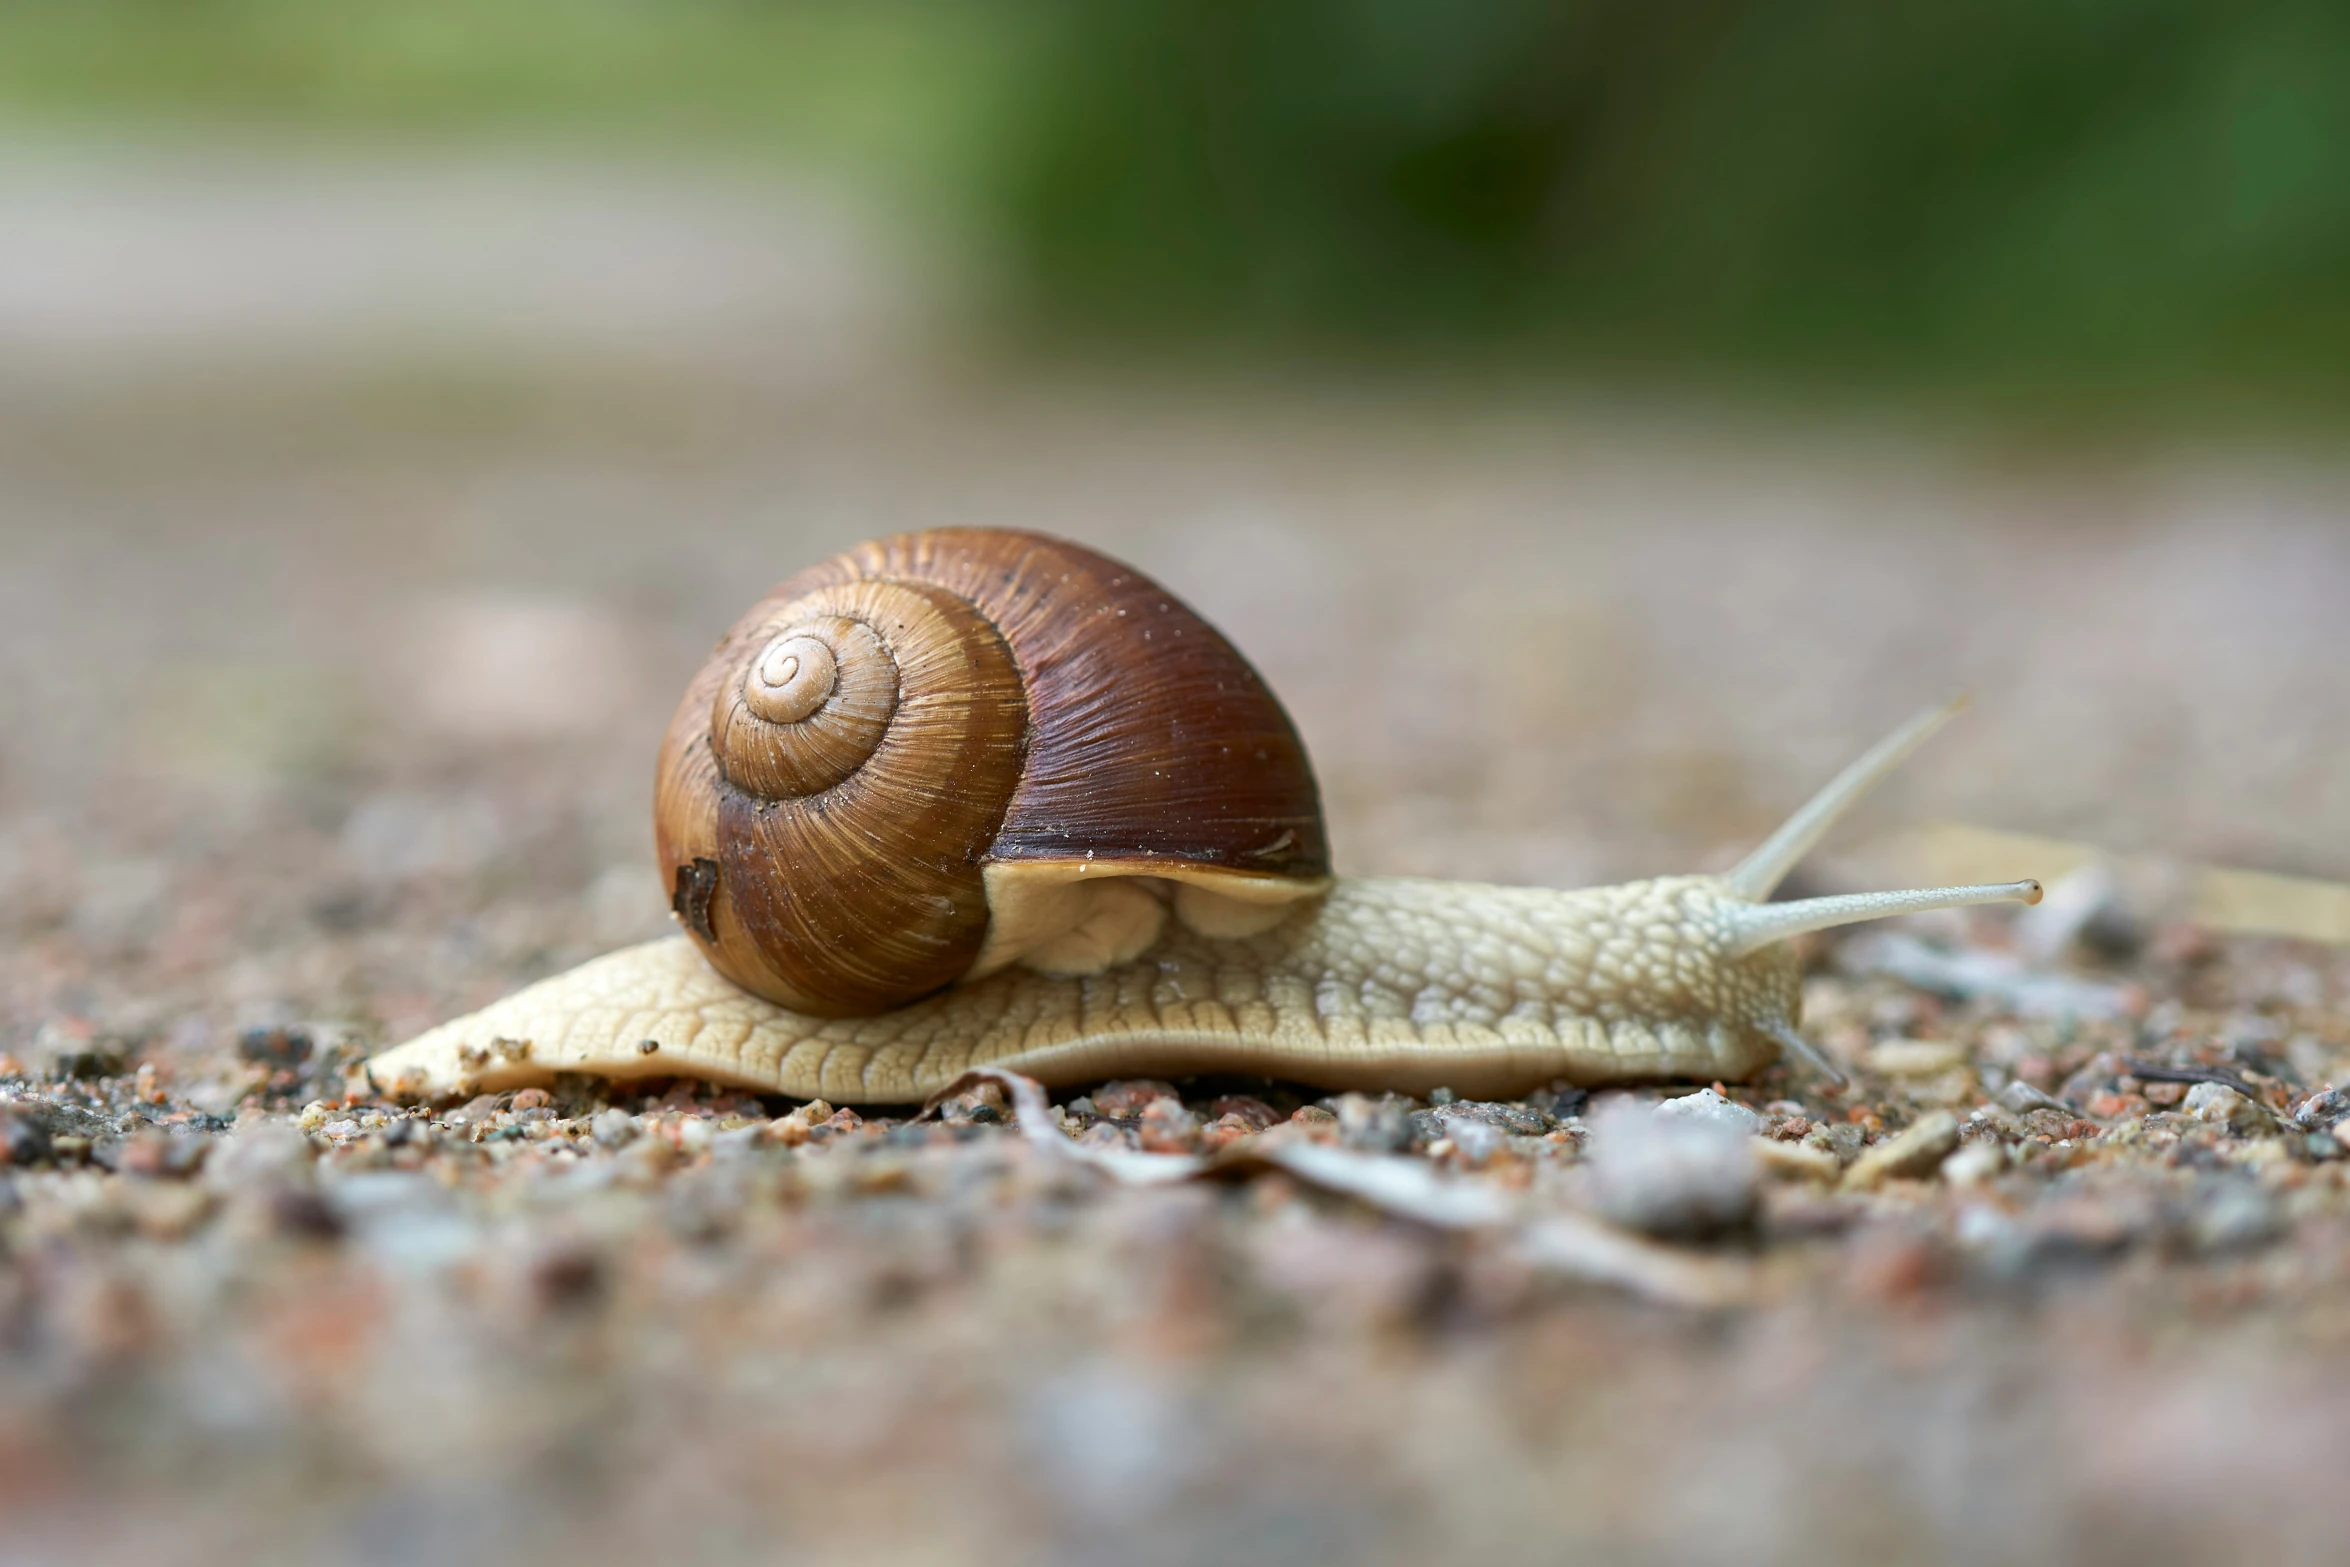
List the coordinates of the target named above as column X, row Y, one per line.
column 1679, row 1174
column 1712, row 1109
column 1914, row 1057
column 2219, row 1103
column 1975, row 1164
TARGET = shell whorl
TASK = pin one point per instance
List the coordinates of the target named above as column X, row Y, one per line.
column 809, row 707
column 883, row 731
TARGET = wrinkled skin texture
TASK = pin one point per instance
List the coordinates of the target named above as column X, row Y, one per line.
column 1385, row 984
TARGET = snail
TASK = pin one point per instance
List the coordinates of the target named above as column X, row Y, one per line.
column 973, row 798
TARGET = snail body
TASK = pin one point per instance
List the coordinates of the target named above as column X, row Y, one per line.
column 969, row 798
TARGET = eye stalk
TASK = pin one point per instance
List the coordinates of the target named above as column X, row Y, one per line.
column 1759, row 874
column 1757, row 925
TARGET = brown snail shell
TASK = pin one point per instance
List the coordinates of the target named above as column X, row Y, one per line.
column 945, row 752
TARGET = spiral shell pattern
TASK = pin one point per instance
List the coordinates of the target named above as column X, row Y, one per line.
column 881, row 728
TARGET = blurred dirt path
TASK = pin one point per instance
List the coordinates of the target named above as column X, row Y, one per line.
column 259, row 412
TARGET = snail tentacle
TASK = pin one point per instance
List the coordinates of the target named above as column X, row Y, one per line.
column 1758, row 925
column 1791, row 1040
column 1759, row 874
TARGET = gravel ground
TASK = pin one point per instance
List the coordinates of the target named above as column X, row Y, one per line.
column 335, row 672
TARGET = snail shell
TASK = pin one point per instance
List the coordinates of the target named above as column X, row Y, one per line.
column 944, row 753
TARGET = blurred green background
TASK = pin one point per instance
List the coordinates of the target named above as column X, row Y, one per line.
column 2113, row 204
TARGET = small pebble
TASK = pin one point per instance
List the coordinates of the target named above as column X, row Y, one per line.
column 1128, row 1099
column 1226, row 1130
column 1915, row 1154
column 2022, row 1098
column 1913, row 1058
column 1711, row 1108
column 984, row 1102
column 24, row 1142
column 1560, row 1100
column 1490, row 1118
column 1166, row 1127
column 411, row 1132
column 1795, row 1161
column 2322, row 1110
column 1975, row 1164
column 1374, row 1125
column 2223, row 1106
column 1678, row 1176
column 1255, row 1112
column 1841, row 1138
column 1475, row 1141
column 67, row 1054
column 481, row 1107
column 286, row 1048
